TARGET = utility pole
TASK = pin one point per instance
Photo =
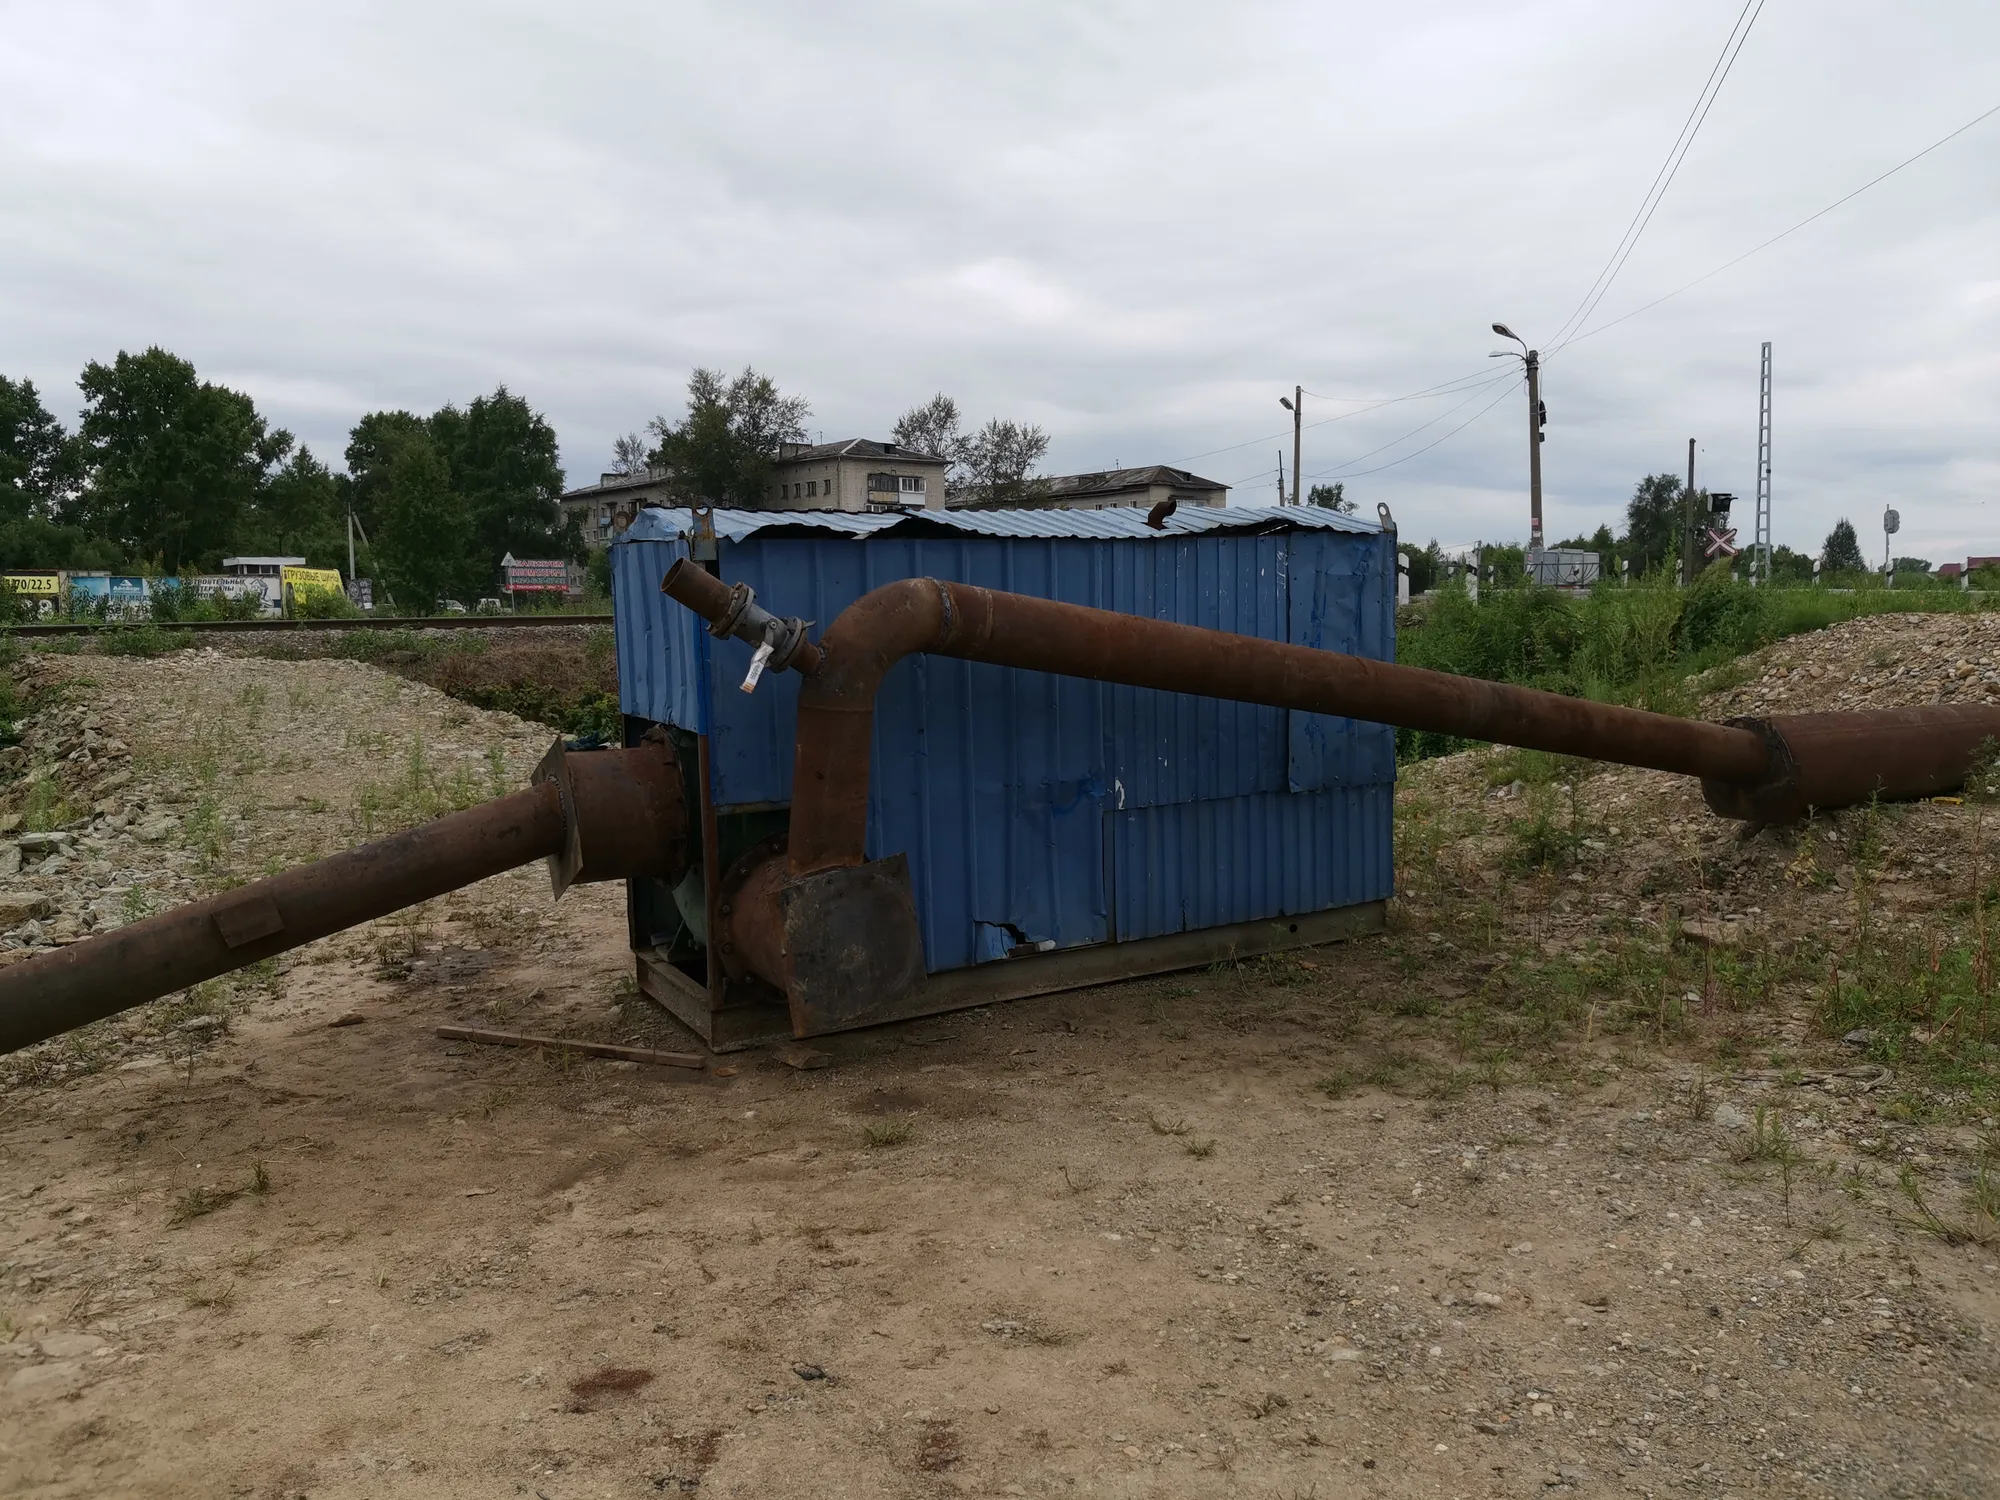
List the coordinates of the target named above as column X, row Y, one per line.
column 350, row 544
column 1535, row 421
column 1298, row 431
column 1688, row 522
column 1296, row 405
column 1761, row 546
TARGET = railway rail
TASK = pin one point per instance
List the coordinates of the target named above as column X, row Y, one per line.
column 254, row 627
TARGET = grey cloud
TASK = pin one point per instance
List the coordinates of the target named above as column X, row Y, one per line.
column 1137, row 224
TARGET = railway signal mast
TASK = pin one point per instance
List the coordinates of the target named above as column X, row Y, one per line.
column 1760, row 546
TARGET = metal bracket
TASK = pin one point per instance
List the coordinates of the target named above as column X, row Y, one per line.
column 852, row 944
column 245, row 918
column 701, row 546
column 567, row 863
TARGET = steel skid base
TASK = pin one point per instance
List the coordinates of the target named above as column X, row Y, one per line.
column 741, row 1018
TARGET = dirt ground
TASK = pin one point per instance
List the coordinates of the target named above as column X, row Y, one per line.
column 1552, row 1189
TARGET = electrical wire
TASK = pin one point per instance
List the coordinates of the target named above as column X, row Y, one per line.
column 1718, row 74
column 1505, row 375
column 1359, row 473
column 1442, row 388
column 1767, row 244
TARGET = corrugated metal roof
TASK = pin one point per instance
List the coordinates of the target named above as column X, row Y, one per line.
column 659, row 524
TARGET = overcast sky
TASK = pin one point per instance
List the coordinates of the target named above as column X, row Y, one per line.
column 1136, row 224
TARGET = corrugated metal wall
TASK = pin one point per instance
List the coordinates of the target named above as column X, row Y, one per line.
column 1049, row 808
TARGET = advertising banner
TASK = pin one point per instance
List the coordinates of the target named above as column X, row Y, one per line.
column 538, row 576
column 297, row 583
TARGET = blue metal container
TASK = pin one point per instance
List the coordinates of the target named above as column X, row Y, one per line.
column 1091, row 829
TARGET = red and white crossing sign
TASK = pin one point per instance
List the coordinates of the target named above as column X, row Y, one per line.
column 1722, row 542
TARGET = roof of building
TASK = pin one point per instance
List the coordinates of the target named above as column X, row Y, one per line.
column 793, row 453
column 657, row 524
column 263, row 562
column 612, row 484
column 1112, row 481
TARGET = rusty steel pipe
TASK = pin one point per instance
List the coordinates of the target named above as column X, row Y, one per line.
column 1840, row 759
column 611, row 804
column 836, row 703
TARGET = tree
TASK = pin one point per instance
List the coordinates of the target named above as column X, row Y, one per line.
column 502, row 459
column 173, row 462
column 373, row 444
column 1426, row 567
column 993, row 466
column 628, row 454
column 1653, row 523
column 38, row 460
column 1841, row 552
column 931, row 428
column 1912, row 566
column 298, row 511
column 443, row 498
column 1333, row 497
column 999, row 462
column 725, row 449
column 1788, row 566
column 32, row 543
column 424, row 526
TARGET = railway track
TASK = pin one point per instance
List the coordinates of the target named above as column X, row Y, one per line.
column 254, row 627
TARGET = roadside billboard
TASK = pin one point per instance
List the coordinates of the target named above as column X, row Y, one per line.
column 536, row 576
column 33, row 593
column 298, row 583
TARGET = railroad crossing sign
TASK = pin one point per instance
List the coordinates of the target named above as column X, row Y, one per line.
column 1721, row 542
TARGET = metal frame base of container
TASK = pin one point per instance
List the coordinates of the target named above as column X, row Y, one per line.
column 732, row 1027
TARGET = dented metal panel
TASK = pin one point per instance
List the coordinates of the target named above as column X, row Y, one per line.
column 1003, row 787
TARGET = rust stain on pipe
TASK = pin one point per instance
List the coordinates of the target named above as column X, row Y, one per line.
column 623, row 822
column 836, row 703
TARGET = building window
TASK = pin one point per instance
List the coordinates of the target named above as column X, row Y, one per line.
column 812, row 489
column 895, row 489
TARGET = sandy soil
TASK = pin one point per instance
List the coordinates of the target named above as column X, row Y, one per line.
column 1316, row 1226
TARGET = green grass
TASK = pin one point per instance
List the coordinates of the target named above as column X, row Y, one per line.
column 885, row 1133
column 1636, row 645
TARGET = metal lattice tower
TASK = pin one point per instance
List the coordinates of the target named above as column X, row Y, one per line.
column 1760, row 548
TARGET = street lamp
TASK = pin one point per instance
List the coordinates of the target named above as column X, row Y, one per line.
column 1296, row 405
column 1536, row 418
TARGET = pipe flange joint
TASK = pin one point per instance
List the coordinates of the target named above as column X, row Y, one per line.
column 784, row 637
column 742, row 598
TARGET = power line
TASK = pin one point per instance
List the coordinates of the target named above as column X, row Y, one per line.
column 1360, row 473
column 1711, row 89
column 1767, row 244
column 1506, row 376
column 1442, row 388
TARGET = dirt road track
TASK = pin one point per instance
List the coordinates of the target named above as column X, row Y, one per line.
column 1261, row 1231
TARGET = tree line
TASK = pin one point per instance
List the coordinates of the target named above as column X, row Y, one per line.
column 1651, row 542
column 166, row 473
column 727, row 445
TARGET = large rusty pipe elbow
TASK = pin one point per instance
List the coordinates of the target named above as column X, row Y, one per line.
column 836, row 704
column 595, row 816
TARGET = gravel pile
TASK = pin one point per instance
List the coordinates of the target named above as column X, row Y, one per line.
column 1887, row 661
column 84, row 844
column 141, row 784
